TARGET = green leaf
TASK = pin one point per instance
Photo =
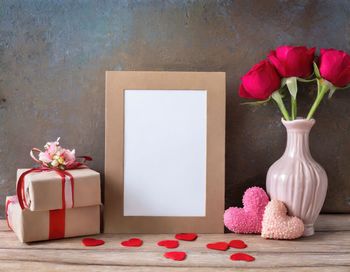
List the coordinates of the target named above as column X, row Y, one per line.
column 283, row 92
column 343, row 88
column 319, row 84
column 311, row 76
column 283, row 82
column 292, row 86
column 278, row 99
column 332, row 90
column 305, row 80
column 322, row 88
column 316, row 70
column 257, row 103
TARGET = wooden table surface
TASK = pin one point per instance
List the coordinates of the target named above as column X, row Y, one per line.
column 327, row 250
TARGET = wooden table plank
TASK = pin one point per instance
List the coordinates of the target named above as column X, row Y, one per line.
column 321, row 242
column 327, row 250
column 333, row 222
column 42, row 266
column 325, row 222
column 195, row 259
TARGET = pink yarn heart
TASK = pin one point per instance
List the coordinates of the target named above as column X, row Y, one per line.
column 249, row 218
column 278, row 225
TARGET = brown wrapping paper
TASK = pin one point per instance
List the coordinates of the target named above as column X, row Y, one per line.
column 32, row 226
column 44, row 190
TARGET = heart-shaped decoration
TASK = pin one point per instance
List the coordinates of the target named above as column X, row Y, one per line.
column 168, row 243
column 237, row 244
column 249, row 218
column 223, row 246
column 278, row 225
column 175, row 255
column 186, row 236
column 92, row 242
column 242, row 257
column 133, row 242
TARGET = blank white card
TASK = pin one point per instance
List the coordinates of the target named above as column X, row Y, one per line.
column 165, row 139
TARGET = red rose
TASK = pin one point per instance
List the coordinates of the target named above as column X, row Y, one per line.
column 293, row 61
column 260, row 82
column 335, row 66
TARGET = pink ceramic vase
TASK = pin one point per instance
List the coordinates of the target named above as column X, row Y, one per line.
column 296, row 178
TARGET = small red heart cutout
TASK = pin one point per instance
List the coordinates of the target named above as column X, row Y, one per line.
column 92, row 242
column 237, row 244
column 186, row 236
column 242, row 257
column 168, row 243
column 218, row 246
column 133, row 242
column 175, row 255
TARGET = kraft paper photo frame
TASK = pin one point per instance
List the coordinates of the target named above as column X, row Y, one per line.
column 164, row 152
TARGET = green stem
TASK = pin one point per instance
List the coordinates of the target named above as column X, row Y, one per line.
column 278, row 99
column 322, row 89
column 293, row 107
column 292, row 85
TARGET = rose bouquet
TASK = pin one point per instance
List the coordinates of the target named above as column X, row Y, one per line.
column 296, row 178
column 286, row 66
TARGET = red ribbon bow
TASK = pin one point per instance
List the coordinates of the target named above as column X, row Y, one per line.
column 44, row 167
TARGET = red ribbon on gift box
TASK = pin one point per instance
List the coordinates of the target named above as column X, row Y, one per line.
column 57, row 217
column 9, row 201
column 57, row 220
column 62, row 173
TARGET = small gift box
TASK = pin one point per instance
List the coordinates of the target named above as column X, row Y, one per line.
column 46, row 190
column 32, row 226
column 59, row 198
column 60, row 181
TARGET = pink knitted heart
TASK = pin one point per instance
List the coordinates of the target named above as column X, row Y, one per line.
column 247, row 219
column 278, row 225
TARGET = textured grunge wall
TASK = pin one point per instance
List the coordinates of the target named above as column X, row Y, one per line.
column 53, row 56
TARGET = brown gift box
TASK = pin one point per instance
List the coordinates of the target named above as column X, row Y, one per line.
column 43, row 190
column 32, row 226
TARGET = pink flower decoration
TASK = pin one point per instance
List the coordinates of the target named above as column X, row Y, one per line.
column 57, row 157
column 69, row 156
column 52, row 147
column 45, row 157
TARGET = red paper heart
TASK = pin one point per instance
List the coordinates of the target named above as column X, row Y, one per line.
column 218, row 246
column 186, row 236
column 242, row 257
column 169, row 243
column 175, row 255
column 237, row 244
column 92, row 242
column 133, row 242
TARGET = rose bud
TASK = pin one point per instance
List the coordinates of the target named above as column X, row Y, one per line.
column 334, row 66
column 260, row 82
column 293, row 61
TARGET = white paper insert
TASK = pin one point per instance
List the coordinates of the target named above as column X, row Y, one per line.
column 165, row 139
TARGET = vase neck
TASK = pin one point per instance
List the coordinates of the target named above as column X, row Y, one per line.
column 298, row 138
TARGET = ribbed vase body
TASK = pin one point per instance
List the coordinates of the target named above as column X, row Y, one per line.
column 296, row 178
